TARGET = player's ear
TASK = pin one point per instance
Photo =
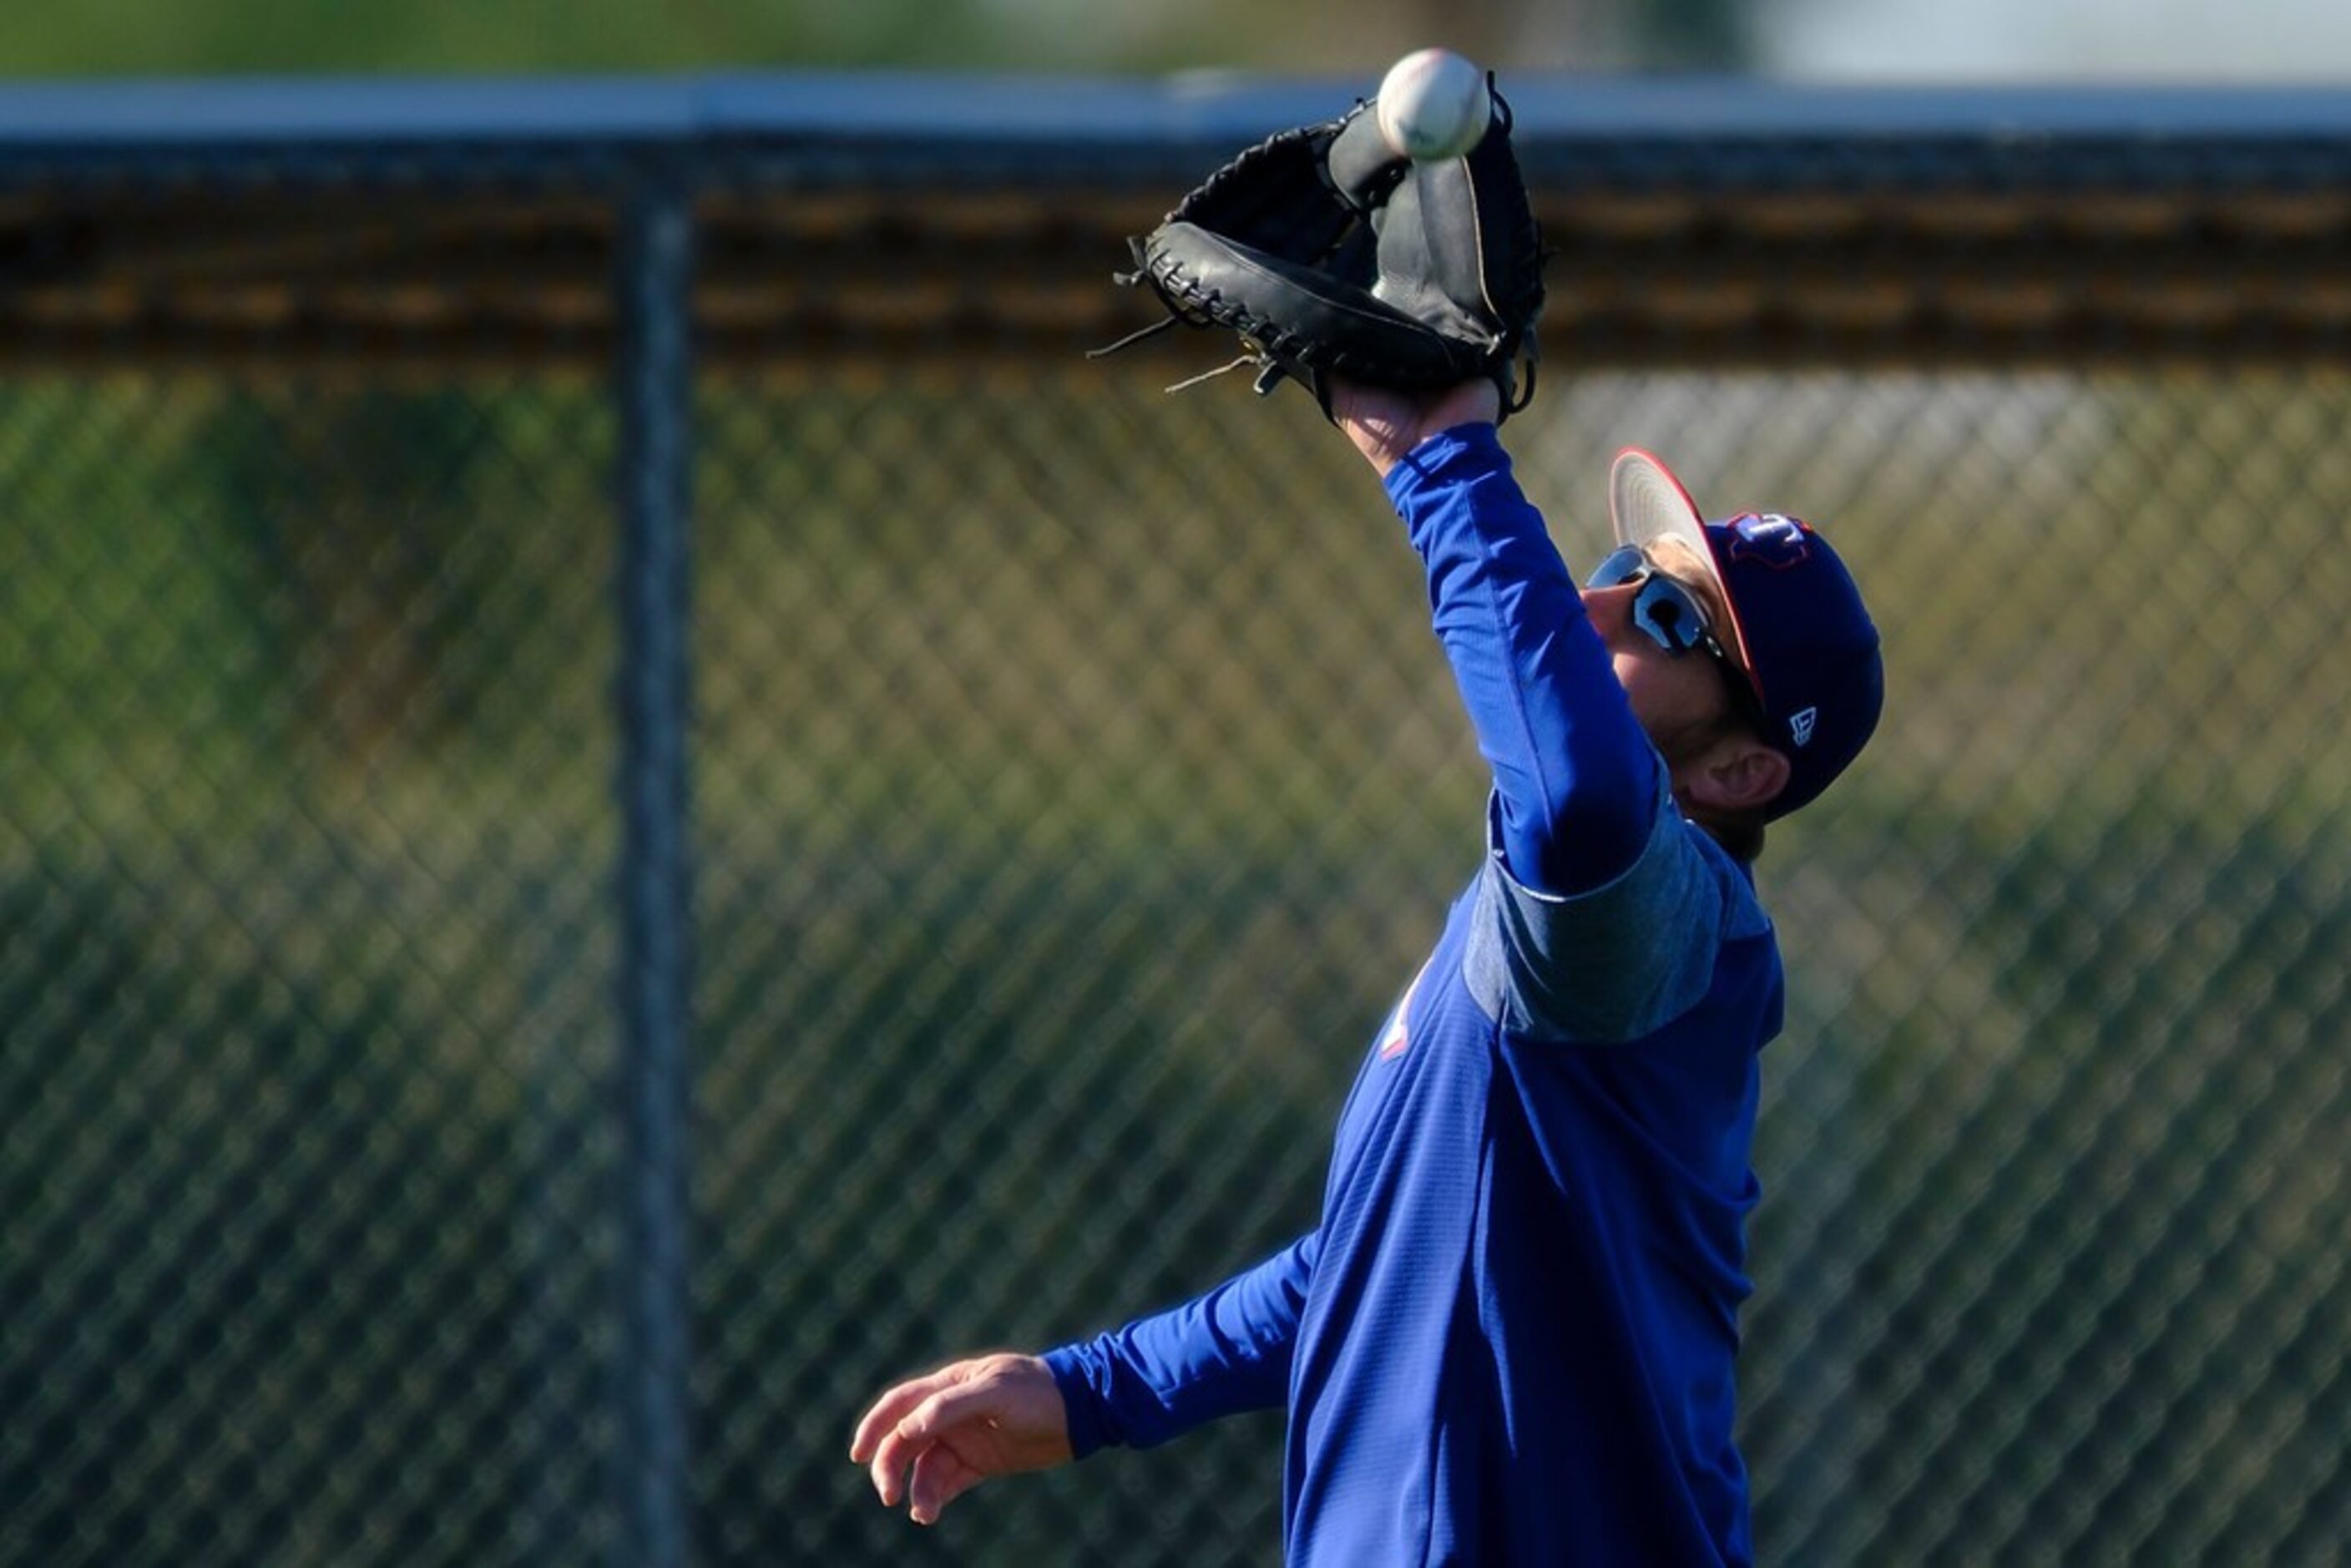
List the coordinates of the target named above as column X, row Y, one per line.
column 1742, row 774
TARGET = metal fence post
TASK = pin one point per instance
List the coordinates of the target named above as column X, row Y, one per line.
column 650, row 1473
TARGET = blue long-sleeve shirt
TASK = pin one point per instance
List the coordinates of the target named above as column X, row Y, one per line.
column 1511, row 1338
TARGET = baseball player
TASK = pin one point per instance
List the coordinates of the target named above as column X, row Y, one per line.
column 1511, row 1338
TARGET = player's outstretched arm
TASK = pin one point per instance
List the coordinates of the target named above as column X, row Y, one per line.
column 930, row 1439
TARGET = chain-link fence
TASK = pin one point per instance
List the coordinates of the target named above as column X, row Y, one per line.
column 1068, row 782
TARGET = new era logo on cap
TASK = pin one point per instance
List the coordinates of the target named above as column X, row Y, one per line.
column 1800, row 726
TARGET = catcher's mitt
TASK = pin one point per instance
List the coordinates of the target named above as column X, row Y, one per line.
column 1329, row 253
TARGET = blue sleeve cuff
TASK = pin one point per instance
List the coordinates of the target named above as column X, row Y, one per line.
column 1218, row 1354
column 1463, row 451
column 1075, row 1374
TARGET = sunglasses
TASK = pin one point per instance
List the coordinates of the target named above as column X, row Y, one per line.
column 1676, row 619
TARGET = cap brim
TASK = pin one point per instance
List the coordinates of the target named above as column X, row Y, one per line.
column 1646, row 502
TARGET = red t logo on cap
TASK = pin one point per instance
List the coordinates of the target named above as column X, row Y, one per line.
column 1770, row 540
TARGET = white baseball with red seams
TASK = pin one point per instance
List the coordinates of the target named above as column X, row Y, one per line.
column 1433, row 105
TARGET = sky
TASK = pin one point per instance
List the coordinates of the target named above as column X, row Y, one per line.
column 2240, row 41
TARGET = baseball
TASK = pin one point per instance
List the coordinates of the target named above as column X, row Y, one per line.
column 1433, row 105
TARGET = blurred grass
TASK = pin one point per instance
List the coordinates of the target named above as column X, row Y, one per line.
column 1358, row 38
column 248, row 37
column 257, row 37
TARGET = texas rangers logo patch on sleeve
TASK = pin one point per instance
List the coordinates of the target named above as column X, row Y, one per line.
column 1397, row 1035
column 1771, row 539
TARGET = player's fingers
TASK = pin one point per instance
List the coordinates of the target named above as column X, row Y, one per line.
column 882, row 1444
column 891, row 1457
column 950, row 1406
column 902, row 1446
column 915, row 1439
column 889, row 1410
column 940, row 1477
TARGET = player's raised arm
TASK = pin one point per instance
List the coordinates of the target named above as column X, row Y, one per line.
column 1577, row 782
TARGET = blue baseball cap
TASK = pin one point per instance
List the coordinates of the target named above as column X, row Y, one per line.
column 1798, row 628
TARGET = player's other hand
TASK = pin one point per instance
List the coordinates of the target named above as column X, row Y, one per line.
column 1385, row 424
column 931, row 1440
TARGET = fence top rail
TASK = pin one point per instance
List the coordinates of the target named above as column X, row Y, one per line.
column 878, row 109
column 884, row 220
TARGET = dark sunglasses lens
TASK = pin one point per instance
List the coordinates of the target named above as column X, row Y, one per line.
column 1619, row 565
column 1664, row 610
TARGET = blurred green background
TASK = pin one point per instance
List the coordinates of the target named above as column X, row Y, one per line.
column 2287, row 42
column 1075, row 783
column 1070, row 802
column 242, row 36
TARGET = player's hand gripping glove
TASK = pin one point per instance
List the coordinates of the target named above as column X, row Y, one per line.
column 1331, row 254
